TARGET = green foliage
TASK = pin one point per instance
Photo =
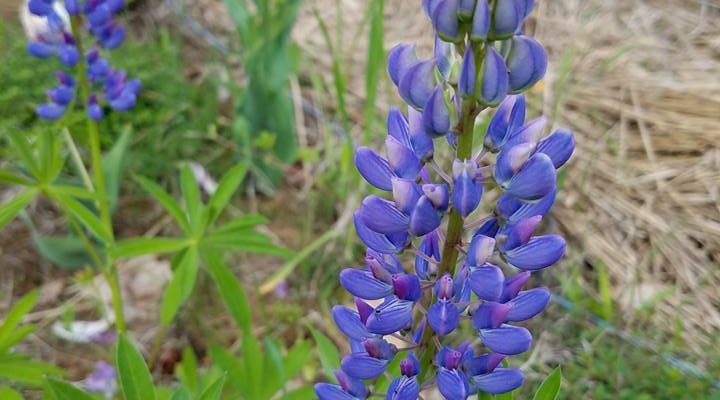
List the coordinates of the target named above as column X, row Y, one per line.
column 327, row 352
column 550, row 388
column 15, row 366
column 203, row 240
column 133, row 375
column 264, row 118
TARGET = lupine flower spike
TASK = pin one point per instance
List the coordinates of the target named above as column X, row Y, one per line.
column 96, row 20
column 460, row 276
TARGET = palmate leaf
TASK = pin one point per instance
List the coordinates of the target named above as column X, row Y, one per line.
column 10, row 209
column 228, row 185
column 178, row 290
column 64, row 251
column 181, row 394
column 138, row 246
column 240, row 225
column 22, row 369
column 234, row 368
column 133, row 374
column 253, row 360
column 113, row 166
column 214, row 391
column 273, row 369
column 166, row 201
column 191, row 196
column 187, row 370
column 231, row 291
column 86, row 217
column 250, row 242
column 328, row 353
column 15, row 315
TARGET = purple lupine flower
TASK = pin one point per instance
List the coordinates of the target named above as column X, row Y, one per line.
column 108, row 85
column 102, row 380
column 484, row 285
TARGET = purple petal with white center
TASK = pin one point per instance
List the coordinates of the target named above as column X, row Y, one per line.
column 487, row 282
column 376, row 241
column 528, row 304
column 422, row 143
column 398, row 127
column 506, row 18
column 540, row 252
column 400, row 58
column 513, row 285
column 424, row 218
column 439, row 195
column 480, row 250
column 502, row 380
column 480, row 21
column 382, row 216
column 490, row 315
column 558, row 146
column 402, row 159
column 493, row 86
column 482, row 364
column 527, row 63
column 520, row 233
column 375, row 169
column 466, row 193
column 417, row 84
column 468, row 74
column 509, row 340
column 349, row 323
column 436, row 114
column 363, row 284
column 511, row 160
column 452, row 384
column 535, row 180
column 403, row 388
column 390, row 316
column 526, row 210
column 362, row 366
column 443, row 317
column 530, row 132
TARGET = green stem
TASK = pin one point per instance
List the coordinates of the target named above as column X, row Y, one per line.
column 453, row 238
column 109, row 268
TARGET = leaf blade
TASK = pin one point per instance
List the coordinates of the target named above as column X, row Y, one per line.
column 133, row 374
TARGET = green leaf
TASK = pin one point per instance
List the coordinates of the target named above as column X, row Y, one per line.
column 25, row 153
column 505, row 396
column 550, row 388
column 181, row 284
column 166, row 201
column 485, row 396
column 231, row 291
column 187, row 370
column 251, row 242
column 241, row 224
column 24, row 370
column 67, row 391
column 213, row 391
column 235, row 369
column 296, row 358
column 228, row 185
column 16, row 337
column 10, row 209
column 328, row 353
column 133, row 374
column 274, row 376
column 138, row 246
column 16, row 314
column 181, row 394
column 252, row 358
column 112, row 163
column 191, row 196
column 72, row 191
column 64, row 251
column 13, row 179
column 7, row 393
column 85, row 216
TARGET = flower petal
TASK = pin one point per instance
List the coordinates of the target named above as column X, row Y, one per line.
column 507, row 339
column 528, row 304
column 540, row 252
column 363, row 284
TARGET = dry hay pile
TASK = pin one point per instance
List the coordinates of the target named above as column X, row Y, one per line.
column 639, row 83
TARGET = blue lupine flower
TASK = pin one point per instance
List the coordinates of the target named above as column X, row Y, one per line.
column 433, row 299
column 109, row 86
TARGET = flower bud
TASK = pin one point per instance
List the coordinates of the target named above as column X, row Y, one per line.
column 418, row 83
column 443, row 317
column 410, row 366
column 527, row 62
column 493, row 85
column 480, row 21
column 407, row 287
column 400, row 58
column 40, row 49
column 506, row 18
column 507, row 119
column 480, row 250
column 438, row 194
column 466, row 191
column 445, row 20
column 437, row 113
column 468, row 74
column 424, row 218
column 444, row 287
column 465, row 9
column 558, row 146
